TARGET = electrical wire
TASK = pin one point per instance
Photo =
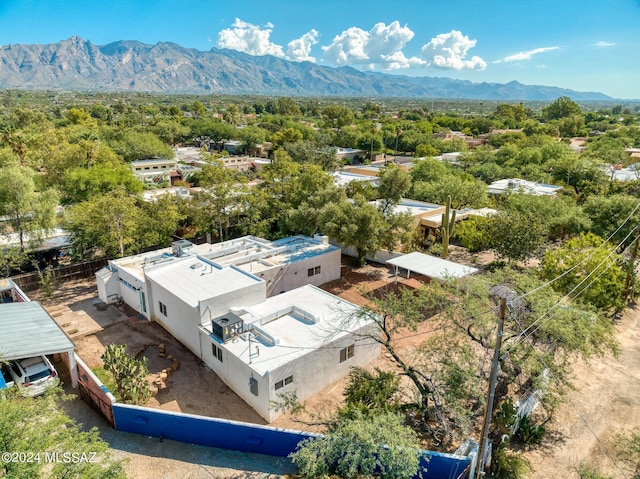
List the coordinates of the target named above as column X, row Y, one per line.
column 604, row 242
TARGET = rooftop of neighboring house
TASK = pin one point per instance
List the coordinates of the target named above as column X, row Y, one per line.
column 342, row 178
column 630, row 173
column 414, row 207
column 180, row 191
column 153, row 161
column 524, row 186
column 290, row 325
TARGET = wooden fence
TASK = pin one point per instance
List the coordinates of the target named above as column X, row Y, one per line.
column 32, row 281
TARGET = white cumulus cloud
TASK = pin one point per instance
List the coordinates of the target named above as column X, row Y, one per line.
column 249, row 38
column 525, row 56
column 299, row 50
column 449, row 50
column 603, row 43
column 380, row 47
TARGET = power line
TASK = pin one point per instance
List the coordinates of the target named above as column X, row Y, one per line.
column 604, row 242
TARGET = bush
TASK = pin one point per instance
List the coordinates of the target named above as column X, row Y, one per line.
column 507, row 464
column 471, row 234
column 528, row 432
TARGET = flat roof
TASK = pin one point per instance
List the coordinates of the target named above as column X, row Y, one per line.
column 26, row 330
column 413, row 207
column 431, row 266
column 255, row 254
column 248, row 253
column 193, row 279
column 517, row 184
column 291, row 325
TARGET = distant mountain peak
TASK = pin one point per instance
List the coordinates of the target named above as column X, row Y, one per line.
column 130, row 65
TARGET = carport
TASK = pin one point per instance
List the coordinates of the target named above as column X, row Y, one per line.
column 26, row 330
column 430, row 266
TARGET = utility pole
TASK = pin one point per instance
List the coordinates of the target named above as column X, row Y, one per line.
column 484, row 441
column 631, row 267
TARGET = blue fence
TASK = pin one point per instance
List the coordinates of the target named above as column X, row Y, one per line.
column 245, row 437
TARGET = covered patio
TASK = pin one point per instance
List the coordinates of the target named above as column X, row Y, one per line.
column 430, row 266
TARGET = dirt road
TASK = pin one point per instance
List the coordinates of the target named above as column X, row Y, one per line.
column 606, row 402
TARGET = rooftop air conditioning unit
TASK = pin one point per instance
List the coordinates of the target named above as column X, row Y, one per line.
column 179, row 247
column 227, row 327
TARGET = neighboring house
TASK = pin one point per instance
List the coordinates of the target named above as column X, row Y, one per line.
column 630, row 173
column 154, row 170
column 517, row 185
column 428, row 216
column 228, row 289
column 343, row 178
column 349, row 154
column 27, row 330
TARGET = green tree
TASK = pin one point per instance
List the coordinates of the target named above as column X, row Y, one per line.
column 627, row 449
column 337, row 116
column 608, row 215
column 378, row 446
column 515, row 235
column 588, row 270
column 39, row 426
column 356, row 223
column 81, row 184
column 464, row 190
column 30, row 214
column 106, row 225
column 222, row 191
column 370, row 393
column 562, row 107
column 133, row 145
column 394, row 183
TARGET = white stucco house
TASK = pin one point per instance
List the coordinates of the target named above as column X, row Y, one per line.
column 299, row 341
column 219, row 299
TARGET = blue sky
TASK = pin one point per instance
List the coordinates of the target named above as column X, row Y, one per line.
column 583, row 44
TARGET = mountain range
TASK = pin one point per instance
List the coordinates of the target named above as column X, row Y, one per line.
column 77, row 64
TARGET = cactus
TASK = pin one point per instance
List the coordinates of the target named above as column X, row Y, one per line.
column 446, row 227
column 129, row 373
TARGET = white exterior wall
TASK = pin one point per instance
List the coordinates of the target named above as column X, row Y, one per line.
column 221, row 304
column 295, row 274
column 108, row 285
column 181, row 320
column 236, row 374
column 132, row 296
column 321, row 367
column 311, row 373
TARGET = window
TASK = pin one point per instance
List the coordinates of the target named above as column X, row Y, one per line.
column 143, row 301
column 346, row 353
column 282, row 383
column 163, row 308
column 217, row 352
column 313, row 271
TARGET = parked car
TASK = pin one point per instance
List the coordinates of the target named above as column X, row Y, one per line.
column 34, row 375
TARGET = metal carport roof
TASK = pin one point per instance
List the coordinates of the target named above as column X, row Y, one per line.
column 27, row 330
column 431, row 266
